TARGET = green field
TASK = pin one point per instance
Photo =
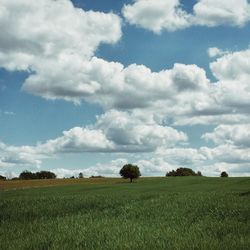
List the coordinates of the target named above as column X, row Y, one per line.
column 152, row 213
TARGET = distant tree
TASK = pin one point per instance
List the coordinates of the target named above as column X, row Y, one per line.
column 27, row 175
column 72, row 177
column 15, row 179
column 224, row 174
column 80, row 175
column 96, row 176
column 183, row 172
column 3, row 178
column 130, row 171
column 199, row 173
column 45, row 175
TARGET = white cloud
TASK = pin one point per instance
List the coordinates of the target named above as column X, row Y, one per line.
column 115, row 131
column 157, row 15
column 215, row 52
column 182, row 156
column 78, row 140
column 131, row 133
column 184, row 91
column 227, row 153
column 40, row 37
column 233, row 66
column 6, row 113
column 139, row 104
column 153, row 167
column 23, row 156
column 169, row 15
column 238, row 134
column 110, row 169
column 224, row 12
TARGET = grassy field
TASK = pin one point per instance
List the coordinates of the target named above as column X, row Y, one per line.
column 153, row 213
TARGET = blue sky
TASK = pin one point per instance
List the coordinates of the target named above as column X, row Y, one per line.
column 155, row 114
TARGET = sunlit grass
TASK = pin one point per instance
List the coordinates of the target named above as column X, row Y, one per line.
column 154, row 213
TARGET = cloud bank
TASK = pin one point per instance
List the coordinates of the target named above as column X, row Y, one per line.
column 159, row 15
column 142, row 108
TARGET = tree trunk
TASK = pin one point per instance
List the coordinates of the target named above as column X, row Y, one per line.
column 131, row 180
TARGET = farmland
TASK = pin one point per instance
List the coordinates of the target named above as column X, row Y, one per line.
column 152, row 213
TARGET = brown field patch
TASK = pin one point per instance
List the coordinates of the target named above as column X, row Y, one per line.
column 22, row 184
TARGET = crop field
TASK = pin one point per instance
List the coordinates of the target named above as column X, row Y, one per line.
column 151, row 213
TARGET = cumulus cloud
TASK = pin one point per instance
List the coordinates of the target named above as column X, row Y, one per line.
column 161, row 15
column 115, row 131
column 22, row 156
column 41, row 38
column 69, row 70
column 225, row 12
column 157, row 15
column 110, row 169
column 238, row 135
column 229, row 154
column 139, row 105
column 153, row 167
column 215, row 52
column 211, row 162
column 131, row 133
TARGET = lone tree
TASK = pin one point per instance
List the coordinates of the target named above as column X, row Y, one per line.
column 80, row 176
column 130, row 171
column 224, row 174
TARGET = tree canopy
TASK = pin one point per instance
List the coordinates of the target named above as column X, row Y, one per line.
column 27, row 175
column 224, row 174
column 183, row 172
column 130, row 171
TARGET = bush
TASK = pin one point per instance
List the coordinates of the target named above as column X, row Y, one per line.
column 183, row 172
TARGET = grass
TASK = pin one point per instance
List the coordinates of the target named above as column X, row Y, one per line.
column 153, row 213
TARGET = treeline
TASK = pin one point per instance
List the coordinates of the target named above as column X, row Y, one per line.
column 128, row 171
column 27, row 175
column 183, row 172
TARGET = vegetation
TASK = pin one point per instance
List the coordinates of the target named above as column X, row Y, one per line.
column 224, row 174
column 2, row 178
column 183, row 172
column 80, row 175
column 158, row 213
column 130, row 171
column 27, row 175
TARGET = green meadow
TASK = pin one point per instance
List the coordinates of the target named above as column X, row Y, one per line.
column 151, row 213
